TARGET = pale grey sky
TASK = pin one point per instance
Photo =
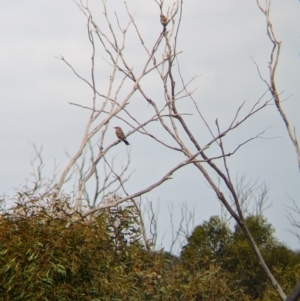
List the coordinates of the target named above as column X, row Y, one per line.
column 217, row 40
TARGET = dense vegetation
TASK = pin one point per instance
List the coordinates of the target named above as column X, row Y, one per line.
column 53, row 258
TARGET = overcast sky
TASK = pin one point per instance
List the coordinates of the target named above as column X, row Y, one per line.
column 218, row 40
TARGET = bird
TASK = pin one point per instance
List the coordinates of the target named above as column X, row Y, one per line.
column 163, row 20
column 120, row 135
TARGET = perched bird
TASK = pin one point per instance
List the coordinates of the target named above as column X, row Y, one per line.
column 163, row 20
column 120, row 135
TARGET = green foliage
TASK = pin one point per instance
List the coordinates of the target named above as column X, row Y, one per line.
column 207, row 242
column 261, row 230
column 37, row 257
column 214, row 242
column 52, row 257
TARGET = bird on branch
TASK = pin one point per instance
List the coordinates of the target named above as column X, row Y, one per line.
column 163, row 20
column 120, row 135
